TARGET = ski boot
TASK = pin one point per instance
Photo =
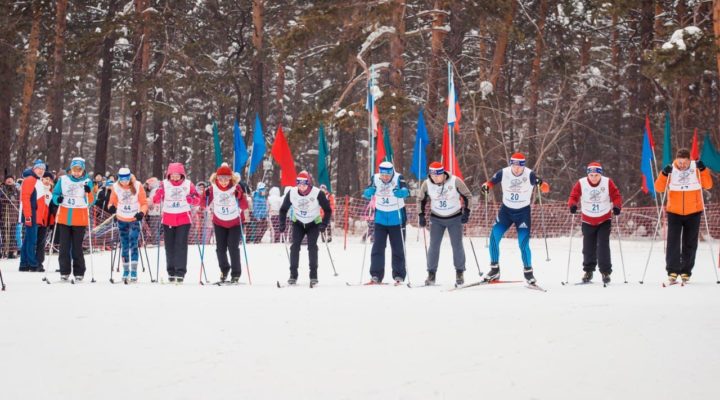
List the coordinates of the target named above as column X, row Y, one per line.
column 171, row 279
column 313, row 282
column 223, row 276
column 459, row 278
column 685, row 277
column 398, row 280
column 493, row 274
column 375, row 280
column 133, row 276
column 234, row 279
column 672, row 277
column 606, row 278
column 430, row 279
column 126, row 276
column 64, row 278
column 78, row 278
column 292, row 281
column 529, row 277
column 179, row 280
column 587, row 278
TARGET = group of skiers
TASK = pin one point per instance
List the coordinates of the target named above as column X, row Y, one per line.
column 309, row 209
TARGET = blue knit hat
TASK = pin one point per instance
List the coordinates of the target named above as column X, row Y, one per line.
column 77, row 162
column 39, row 164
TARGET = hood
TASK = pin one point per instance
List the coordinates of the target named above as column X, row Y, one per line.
column 175, row 168
column 27, row 172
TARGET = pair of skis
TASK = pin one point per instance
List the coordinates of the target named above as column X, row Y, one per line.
column 532, row 286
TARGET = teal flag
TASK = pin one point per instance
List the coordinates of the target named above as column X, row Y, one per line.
column 388, row 146
column 667, row 144
column 323, row 173
column 710, row 156
column 216, row 140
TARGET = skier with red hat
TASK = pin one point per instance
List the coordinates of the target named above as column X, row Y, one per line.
column 450, row 201
column 598, row 200
column 306, row 201
column 517, row 182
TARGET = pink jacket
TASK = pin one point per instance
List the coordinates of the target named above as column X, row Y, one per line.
column 193, row 198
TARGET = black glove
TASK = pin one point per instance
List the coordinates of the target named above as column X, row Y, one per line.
column 573, row 209
column 87, row 188
column 616, row 210
column 60, row 199
column 322, row 227
column 700, row 165
column 139, row 216
column 538, row 181
column 484, row 189
column 667, row 170
column 465, row 215
column 421, row 220
column 112, row 209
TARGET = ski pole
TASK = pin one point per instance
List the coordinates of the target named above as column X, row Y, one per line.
column 92, row 265
column 487, row 238
column 572, row 230
column 622, row 259
column 147, row 259
column 477, row 264
column 2, row 281
column 202, row 238
column 328, row 251
column 247, row 263
column 159, row 231
column 52, row 246
column 709, row 238
column 114, row 252
column 367, row 239
column 542, row 220
column 402, row 237
column 657, row 227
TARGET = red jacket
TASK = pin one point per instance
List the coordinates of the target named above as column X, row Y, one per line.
column 207, row 199
column 615, row 197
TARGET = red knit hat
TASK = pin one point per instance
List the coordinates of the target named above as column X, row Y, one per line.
column 224, row 170
column 302, row 178
column 436, row 168
column 594, row 167
column 517, row 159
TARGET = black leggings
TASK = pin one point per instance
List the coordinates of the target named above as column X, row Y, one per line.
column 228, row 241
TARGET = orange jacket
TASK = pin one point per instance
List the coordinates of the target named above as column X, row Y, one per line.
column 142, row 199
column 684, row 203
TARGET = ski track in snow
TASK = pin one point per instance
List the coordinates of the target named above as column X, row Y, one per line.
column 154, row 341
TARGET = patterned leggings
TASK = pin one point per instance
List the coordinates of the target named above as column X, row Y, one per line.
column 129, row 232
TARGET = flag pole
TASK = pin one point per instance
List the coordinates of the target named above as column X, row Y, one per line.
column 371, row 104
column 451, row 145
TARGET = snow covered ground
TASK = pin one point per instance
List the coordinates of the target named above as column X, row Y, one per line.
column 627, row 341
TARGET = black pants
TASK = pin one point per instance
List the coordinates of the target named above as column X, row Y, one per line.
column 377, row 255
column 176, row 246
column 596, row 247
column 40, row 247
column 71, row 241
column 299, row 231
column 682, row 242
column 228, row 241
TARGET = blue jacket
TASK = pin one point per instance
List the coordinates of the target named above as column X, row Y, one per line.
column 260, row 207
column 390, row 218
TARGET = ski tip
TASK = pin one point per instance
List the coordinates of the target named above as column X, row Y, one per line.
column 278, row 284
column 641, row 282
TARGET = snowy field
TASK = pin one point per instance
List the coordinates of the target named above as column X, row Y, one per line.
column 153, row 341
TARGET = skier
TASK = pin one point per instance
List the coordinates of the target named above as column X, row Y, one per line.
column 517, row 184
column 73, row 195
column 684, row 180
column 128, row 202
column 177, row 195
column 33, row 210
column 46, row 220
column 306, row 201
column 274, row 204
column 229, row 206
column 259, row 214
column 447, row 211
column 599, row 198
column 390, row 190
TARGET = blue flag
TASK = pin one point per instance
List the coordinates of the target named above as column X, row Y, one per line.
column 216, row 142
column 419, row 160
column 259, row 148
column 241, row 154
column 648, row 183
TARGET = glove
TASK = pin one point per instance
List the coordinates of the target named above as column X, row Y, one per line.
column 112, row 209
column 369, row 192
column 322, row 227
column 465, row 216
column 401, row 193
column 60, row 199
column 28, row 221
column 700, row 165
column 573, row 209
column 667, row 170
column 87, row 188
column 421, row 220
column 616, row 210
column 484, row 189
column 538, row 181
column 139, row 216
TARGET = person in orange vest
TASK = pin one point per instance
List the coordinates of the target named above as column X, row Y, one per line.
column 684, row 181
column 128, row 202
column 46, row 219
column 32, row 204
column 73, row 195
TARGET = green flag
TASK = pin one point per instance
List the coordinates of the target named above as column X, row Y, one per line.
column 667, row 144
column 388, row 146
column 710, row 156
column 323, row 173
column 216, row 141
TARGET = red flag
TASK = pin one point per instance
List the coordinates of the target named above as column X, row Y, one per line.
column 695, row 152
column 649, row 132
column 379, row 147
column 447, row 153
column 282, row 155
